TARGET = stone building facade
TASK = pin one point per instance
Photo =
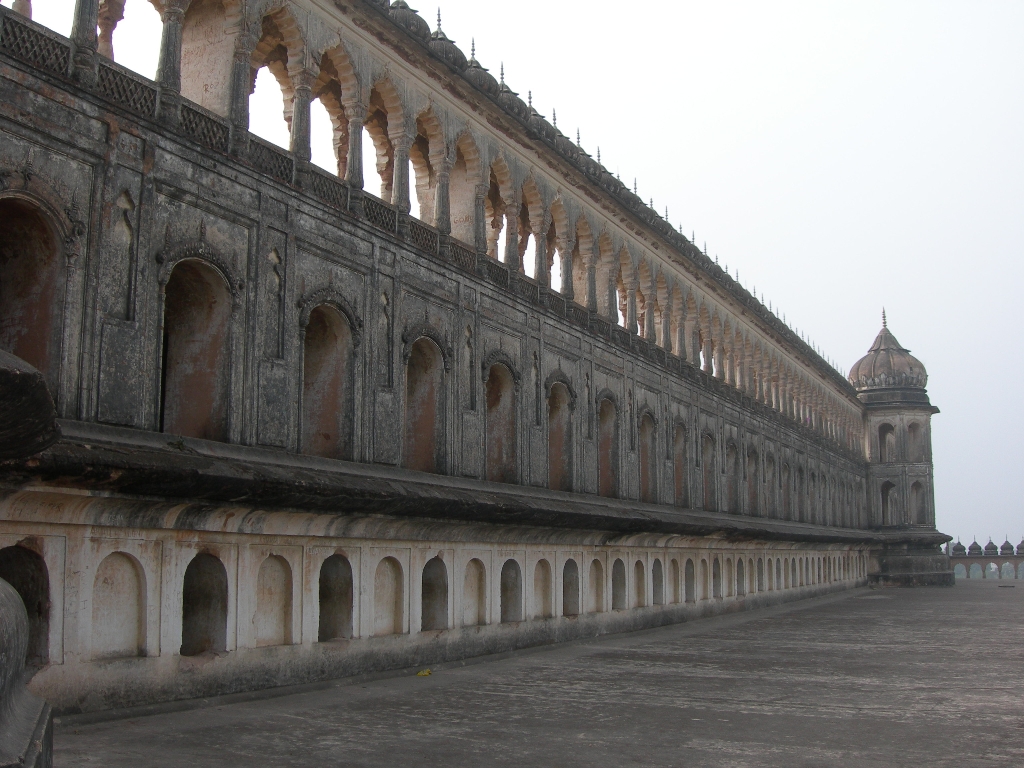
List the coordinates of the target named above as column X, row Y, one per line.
column 308, row 432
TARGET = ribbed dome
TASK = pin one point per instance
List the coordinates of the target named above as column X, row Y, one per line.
column 887, row 364
column 406, row 17
column 1006, row 549
column 975, row 548
column 510, row 100
column 1020, row 548
column 959, row 549
column 446, row 49
column 991, row 548
column 480, row 77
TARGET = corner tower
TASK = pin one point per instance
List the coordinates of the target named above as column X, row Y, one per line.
column 891, row 382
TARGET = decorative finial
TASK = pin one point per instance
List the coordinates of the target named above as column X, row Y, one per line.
column 439, row 19
column 884, row 323
column 529, row 99
column 652, row 202
column 554, row 117
column 599, row 154
column 577, row 137
column 503, row 73
column 666, row 213
column 472, row 47
column 634, row 185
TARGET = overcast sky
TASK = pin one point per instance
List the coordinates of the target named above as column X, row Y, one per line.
column 843, row 156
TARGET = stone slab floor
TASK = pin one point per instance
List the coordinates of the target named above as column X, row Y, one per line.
column 895, row 677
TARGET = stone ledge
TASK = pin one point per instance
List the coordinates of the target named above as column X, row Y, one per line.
column 126, row 463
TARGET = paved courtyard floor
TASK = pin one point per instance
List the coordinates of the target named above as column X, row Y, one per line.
column 895, row 677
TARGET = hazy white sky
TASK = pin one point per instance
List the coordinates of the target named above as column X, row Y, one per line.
column 844, row 156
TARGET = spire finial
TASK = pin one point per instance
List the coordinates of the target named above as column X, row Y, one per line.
column 472, row 48
column 884, row 323
column 634, row 185
column 529, row 99
column 577, row 137
column 599, row 154
column 439, row 18
column 554, row 117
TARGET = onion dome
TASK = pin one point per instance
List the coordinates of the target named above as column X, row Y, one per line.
column 478, row 75
column 974, row 549
column 510, row 100
column 991, row 548
column 959, row 549
column 406, row 17
column 887, row 365
column 446, row 49
column 1007, row 548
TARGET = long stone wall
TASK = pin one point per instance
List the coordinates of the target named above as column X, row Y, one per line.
column 261, row 369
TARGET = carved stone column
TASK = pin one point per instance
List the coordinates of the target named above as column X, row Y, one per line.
column 400, row 186
column 568, row 289
column 708, row 350
column 84, row 41
column 356, row 114
column 541, row 272
column 480, row 218
column 590, row 265
column 168, row 72
column 631, row 289
column 512, row 211
column 108, row 16
column 679, row 346
column 241, row 76
column 442, row 196
column 302, row 83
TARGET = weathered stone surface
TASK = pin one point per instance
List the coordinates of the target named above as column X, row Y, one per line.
column 872, row 678
column 26, row 721
column 309, row 431
column 28, row 421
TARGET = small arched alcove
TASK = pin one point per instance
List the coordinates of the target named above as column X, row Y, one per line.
column 204, row 606
column 195, row 379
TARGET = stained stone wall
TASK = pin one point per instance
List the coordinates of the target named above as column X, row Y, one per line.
column 259, row 365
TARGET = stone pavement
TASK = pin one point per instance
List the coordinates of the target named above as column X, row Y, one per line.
column 897, row 677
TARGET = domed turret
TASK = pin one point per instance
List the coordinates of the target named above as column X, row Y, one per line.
column 1006, row 548
column 991, row 548
column 1020, row 548
column 959, row 549
column 888, row 365
column 446, row 49
column 510, row 100
column 478, row 75
column 406, row 17
column 974, row 549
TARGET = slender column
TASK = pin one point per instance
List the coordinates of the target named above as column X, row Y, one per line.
column 83, row 38
column 168, row 72
column 708, row 351
column 666, row 326
column 302, row 83
column 649, row 329
column 590, row 266
column 109, row 14
column 241, row 76
column 480, row 218
column 541, row 273
column 719, row 355
column 356, row 114
column 442, row 196
column 512, row 211
column 631, row 318
column 679, row 346
column 400, row 187
column 565, row 255
column 24, row 7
